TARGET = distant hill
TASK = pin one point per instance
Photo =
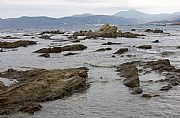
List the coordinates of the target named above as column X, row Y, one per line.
column 147, row 17
column 47, row 22
column 83, row 15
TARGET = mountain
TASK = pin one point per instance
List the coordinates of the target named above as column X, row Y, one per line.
column 83, row 15
column 47, row 22
column 143, row 17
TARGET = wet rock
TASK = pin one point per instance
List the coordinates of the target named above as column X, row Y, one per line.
column 148, row 96
column 148, row 30
column 52, row 32
column 166, row 88
column 133, row 30
column 45, row 37
column 156, row 41
column 40, row 85
column 136, row 90
column 167, row 53
column 145, row 46
column 178, row 47
column 16, row 44
column 130, row 72
column 76, row 47
column 160, row 65
column 9, row 37
column 103, row 49
column 158, row 31
column 30, row 107
column 113, row 56
column 108, row 31
column 121, row 51
column 70, row 53
column 111, row 43
column 46, row 55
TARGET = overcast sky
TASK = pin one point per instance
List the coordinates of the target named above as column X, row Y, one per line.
column 60, row 8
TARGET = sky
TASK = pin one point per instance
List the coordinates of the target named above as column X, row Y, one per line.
column 61, row 8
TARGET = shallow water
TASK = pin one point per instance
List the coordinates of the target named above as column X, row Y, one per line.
column 107, row 97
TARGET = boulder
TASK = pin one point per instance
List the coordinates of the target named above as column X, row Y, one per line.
column 121, row 51
column 40, row 85
column 16, row 44
column 145, row 46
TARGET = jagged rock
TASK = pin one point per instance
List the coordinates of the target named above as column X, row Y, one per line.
column 166, row 88
column 16, row 44
column 145, row 46
column 40, row 85
column 121, row 51
column 46, row 55
column 111, row 43
column 76, row 47
column 30, row 107
column 103, row 49
column 130, row 72
column 160, row 65
column 70, row 53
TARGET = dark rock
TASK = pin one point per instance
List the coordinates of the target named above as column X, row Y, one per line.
column 76, row 47
column 145, row 46
column 111, row 43
column 156, row 41
column 113, row 56
column 167, row 53
column 2, row 87
column 136, row 90
column 133, row 30
column 16, row 44
column 121, row 51
column 70, row 53
column 148, row 30
column 30, row 107
column 46, row 55
column 166, row 88
column 148, row 96
column 52, row 32
column 103, row 49
column 45, row 37
column 158, row 31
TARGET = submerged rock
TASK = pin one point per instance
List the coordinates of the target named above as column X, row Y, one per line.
column 111, row 43
column 76, row 47
column 45, row 37
column 40, row 85
column 167, row 53
column 70, row 53
column 148, row 96
column 46, row 55
column 145, row 46
column 121, row 51
column 156, row 41
column 16, row 44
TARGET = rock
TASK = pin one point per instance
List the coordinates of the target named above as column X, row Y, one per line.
column 70, row 53
column 178, row 47
column 156, row 41
column 9, row 37
column 167, row 53
column 103, row 49
column 145, row 46
column 45, row 37
column 16, row 44
column 111, row 43
column 108, row 31
column 40, row 85
column 136, row 90
column 76, row 47
column 148, row 96
column 30, row 107
column 46, row 55
column 2, row 87
column 129, row 35
column 148, row 30
column 121, row 51
column 157, row 31
column 166, row 88
column 160, row 65
column 130, row 72
column 133, row 30
column 52, row 32
column 113, row 56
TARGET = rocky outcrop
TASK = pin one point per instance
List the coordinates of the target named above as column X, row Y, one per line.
column 16, row 44
column 145, row 47
column 130, row 72
column 76, row 47
column 40, row 85
column 121, row 51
